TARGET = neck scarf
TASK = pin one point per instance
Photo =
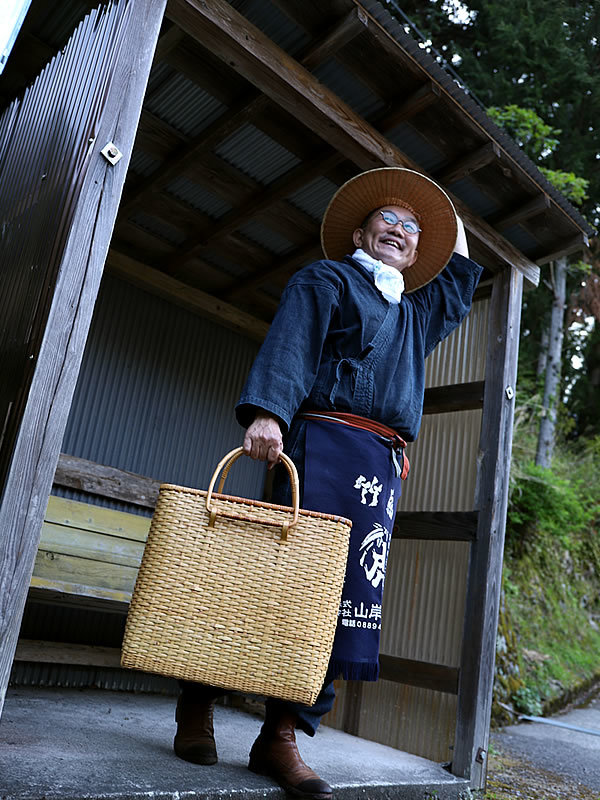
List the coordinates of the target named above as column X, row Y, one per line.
column 387, row 279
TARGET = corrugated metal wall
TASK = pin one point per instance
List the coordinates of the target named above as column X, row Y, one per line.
column 155, row 396
column 156, row 392
column 425, row 589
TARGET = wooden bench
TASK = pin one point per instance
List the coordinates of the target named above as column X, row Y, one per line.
column 89, row 553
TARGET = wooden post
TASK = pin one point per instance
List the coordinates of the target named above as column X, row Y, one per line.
column 37, row 446
column 491, row 500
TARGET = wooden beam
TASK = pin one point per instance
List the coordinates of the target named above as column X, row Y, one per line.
column 343, row 32
column 275, row 193
column 195, row 300
column 299, row 258
column 441, row 526
column 436, row 677
column 61, row 653
column 531, row 208
column 218, row 27
column 577, row 244
column 88, row 476
column 126, row 50
column 418, row 101
column 458, row 397
column 491, row 500
column 468, row 164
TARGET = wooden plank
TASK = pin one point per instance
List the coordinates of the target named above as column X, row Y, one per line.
column 576, row 244
column 75, row 514
column 343, row 32
column 62, row 653
column 69, row 541
column 35, row 453
column 88, row 476
column 194, row 300
column 468, row 164
column 92, row 575
column 418, row 101
column 458, row 397
column 74, row 594
column 436, row 677
column 451, row 526
column 491, row 500
column 531, row 208
column 229, row 35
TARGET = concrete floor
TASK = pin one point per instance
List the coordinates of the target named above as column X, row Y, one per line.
column 72, row 744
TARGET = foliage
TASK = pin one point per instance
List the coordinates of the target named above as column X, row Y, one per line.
column 572, row 186
column 531, row 133
column 542, row 55
column 549, row 630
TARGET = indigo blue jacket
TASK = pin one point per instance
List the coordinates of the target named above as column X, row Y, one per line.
column 337, row 344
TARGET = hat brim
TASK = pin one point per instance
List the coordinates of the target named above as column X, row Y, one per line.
column 389, row 186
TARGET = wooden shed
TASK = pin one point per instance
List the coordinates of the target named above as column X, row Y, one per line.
column 163, row 171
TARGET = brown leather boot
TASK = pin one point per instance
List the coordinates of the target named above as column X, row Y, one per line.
column 275, row 754
column 195, row 740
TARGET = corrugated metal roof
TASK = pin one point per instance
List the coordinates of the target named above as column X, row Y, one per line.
column 256, row 154
column 198, row 197
column 184, row 105
column 314, row 197
column 349, row 88
column 274, row 22
column 143, row 164
column 266, row 237
column 158, row 227
column 410, row 141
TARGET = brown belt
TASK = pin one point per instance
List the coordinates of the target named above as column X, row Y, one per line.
column 365, row 424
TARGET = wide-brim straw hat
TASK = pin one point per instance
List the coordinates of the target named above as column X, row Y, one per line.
column 394, row 186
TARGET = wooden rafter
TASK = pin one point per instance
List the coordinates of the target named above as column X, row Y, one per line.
column 229, row 35
column 183, row 295
column 531, row 208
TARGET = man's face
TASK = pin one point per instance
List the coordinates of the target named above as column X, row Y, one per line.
column 388, row 243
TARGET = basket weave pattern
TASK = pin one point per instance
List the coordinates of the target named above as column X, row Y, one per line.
column 232, row 605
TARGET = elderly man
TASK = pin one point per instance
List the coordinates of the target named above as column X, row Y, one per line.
column 339, row 383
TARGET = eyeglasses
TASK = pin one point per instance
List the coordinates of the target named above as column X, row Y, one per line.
column 409, row 225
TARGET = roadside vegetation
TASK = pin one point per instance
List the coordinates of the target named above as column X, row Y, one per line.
column 548, row 645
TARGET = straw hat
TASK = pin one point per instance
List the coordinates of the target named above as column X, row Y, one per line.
column 394, row 186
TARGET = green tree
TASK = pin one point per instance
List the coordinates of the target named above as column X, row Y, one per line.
column 542, row 55
column 535, row 64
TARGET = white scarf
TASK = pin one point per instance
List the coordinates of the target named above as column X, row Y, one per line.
column 387, row 279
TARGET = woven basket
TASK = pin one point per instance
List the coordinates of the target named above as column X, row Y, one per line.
column 238, row 593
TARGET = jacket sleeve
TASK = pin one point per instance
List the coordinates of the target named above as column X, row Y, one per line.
column 286, row 366
column 446, row 300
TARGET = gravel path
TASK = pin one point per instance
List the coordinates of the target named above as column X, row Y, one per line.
column 535, row 761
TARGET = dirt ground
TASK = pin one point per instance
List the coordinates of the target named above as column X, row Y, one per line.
column 512, row 777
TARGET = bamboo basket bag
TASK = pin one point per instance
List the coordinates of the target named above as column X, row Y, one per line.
column 238, row 593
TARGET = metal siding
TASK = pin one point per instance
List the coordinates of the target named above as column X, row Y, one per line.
column 425, row 590
column 157, row 390
column 461, row 357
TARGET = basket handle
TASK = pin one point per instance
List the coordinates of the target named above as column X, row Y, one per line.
column 225, row 464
